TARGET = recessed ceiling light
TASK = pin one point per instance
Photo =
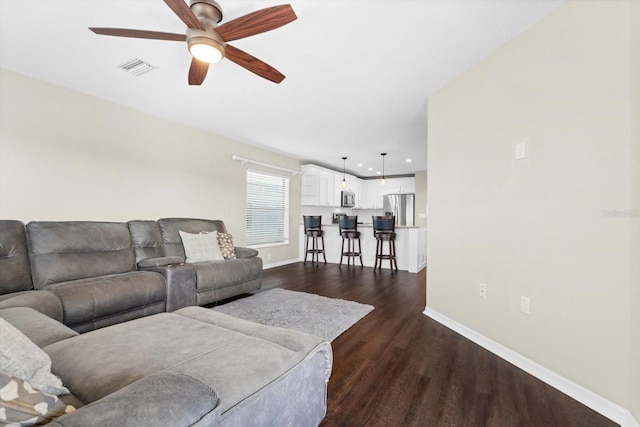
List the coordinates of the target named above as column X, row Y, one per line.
column 369, row 169
column 359, row 165
column 378, row 173
column 408, row 160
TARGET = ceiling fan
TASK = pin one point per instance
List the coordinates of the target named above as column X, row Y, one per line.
column 207, row 42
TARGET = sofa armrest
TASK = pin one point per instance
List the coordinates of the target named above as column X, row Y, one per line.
column 181, row 284
column 165, row 261
column 38, row 327
column 245, row 252
column 44, row 301
column 162, row 398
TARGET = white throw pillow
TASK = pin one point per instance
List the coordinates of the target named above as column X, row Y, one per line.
column 201, row 247
column 22, row 358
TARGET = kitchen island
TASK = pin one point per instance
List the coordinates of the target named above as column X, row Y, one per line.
column 410, row 246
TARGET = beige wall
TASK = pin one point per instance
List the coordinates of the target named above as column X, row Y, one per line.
column 555, row 225
column 634, row 301
column 69, row 156
column 421, row 198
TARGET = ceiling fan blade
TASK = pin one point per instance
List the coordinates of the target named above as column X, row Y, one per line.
column 257, row 22
column 253, row 64
column 197, row 72
column 138, row 34
column 184, row 12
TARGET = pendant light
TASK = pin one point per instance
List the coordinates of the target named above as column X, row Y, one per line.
column 383, row 180
column 344, row 172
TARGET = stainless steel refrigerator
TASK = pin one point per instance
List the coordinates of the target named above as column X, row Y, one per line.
column 402, row 206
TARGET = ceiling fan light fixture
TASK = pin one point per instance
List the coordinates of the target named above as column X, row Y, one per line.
column 205, row 49
column 207, row 42
column 206, row 9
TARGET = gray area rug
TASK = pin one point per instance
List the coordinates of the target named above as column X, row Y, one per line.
column 314, row 314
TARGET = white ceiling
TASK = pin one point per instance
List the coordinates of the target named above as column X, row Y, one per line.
column 359, row 73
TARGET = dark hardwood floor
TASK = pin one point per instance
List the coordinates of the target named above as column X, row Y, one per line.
column 398, row 367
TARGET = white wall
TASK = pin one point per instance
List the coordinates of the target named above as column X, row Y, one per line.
column 555, row 225
column 69, row 156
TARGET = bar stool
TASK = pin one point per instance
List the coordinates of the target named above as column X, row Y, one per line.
column 313, row 230
column 384, row 230
column 348, row 226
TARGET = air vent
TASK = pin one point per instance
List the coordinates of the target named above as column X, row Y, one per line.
column 136, row 66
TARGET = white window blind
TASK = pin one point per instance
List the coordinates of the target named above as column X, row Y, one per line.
column 267, row 208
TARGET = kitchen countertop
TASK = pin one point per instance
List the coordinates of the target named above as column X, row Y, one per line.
column 410, row 246
column 369, row 225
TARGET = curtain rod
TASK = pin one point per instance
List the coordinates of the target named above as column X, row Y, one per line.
column 244, row 161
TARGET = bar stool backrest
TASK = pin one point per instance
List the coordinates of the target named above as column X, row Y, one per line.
column 348, row 223
column 312, row 222
column 383, row 224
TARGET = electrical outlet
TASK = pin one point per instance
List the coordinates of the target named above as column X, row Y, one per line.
column 483, row 290
column 525, row 305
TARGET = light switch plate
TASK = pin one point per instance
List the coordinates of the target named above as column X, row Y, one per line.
column 521, row 151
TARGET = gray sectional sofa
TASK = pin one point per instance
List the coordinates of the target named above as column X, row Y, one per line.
column 116, row 308
column 94, row 274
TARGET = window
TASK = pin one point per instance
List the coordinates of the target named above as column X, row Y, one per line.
column 267, row 209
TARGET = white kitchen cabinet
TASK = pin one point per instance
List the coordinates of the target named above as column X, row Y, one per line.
column 400, row 185
column 337, row 182
column 410, row 187
column 310, row 190
column 323, row 187
column 326, row 192
column 372, row 190
column 317, row 190
column 337, row 188
column 318, row 186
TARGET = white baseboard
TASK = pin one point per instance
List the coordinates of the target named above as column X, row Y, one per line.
column 583, row 395
column 279, row 263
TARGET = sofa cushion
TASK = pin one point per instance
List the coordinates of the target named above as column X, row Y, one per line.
column 146, row 239
column 89, row 300
column 64, row 251
column 40, row 329
column 234, row 357
column 14, row 258
column 21, row 358
column 171, row 227
column 202, row 247
column 22, row 405
column 215, row 275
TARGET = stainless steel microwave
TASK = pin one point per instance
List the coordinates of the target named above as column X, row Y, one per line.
column 348, row 199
